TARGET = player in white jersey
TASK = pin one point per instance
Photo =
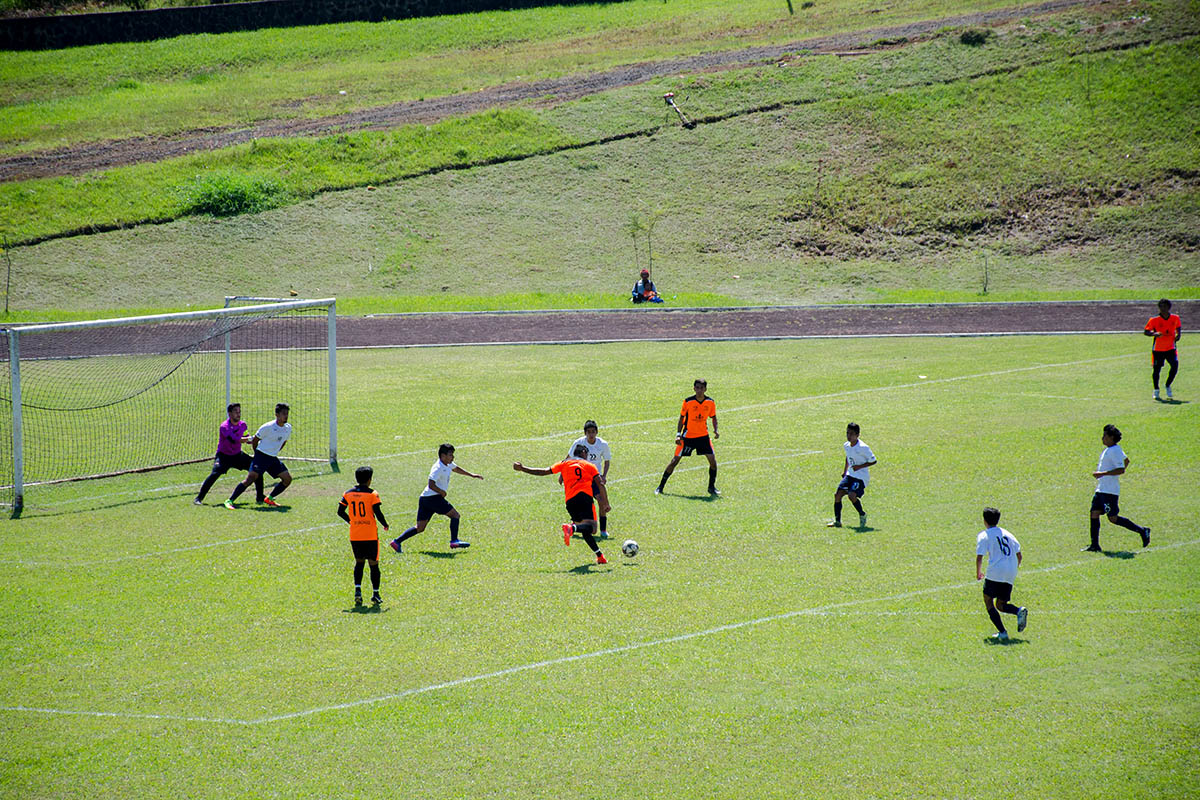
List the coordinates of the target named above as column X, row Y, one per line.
column 599, row 455
column 267, row 443
column 855, row 476
column 433, row 500
column 1113, row 462
column 1003, row 553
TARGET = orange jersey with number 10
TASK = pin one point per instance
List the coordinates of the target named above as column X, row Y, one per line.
column 577, row 476
column 360, row 507
column 697, row 414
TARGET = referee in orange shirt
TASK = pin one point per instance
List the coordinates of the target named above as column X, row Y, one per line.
column 692, row 435
column 361, row 507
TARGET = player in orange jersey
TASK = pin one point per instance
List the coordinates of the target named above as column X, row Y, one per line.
column 582, row 486
column 691, row 435
column 1166, row 329
column 361, row 507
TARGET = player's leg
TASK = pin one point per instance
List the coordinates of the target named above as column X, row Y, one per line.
column 358, row 573
column 1099, row 506
column 375, row 576
column 1173, row 360
column 455, row 519
column 1125, row 522
column 218, row 470
column 285, row 480
column 251, row 477
column 409, row 532
column 1157, row 360
column 712, row 473
column 670, row 468
column 584, row 524
column 994, row 616
column 837, row 508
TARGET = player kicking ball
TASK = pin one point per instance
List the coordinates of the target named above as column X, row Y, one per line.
column 1003, row 553
column 433, row 500
column 855, row 475
column 361, row 507
column 581, row 485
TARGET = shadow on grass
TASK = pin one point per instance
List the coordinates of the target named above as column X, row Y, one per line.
column 1118, row 554
column 708, row 498
column 590, row 569
column 989, row 640
column 367, row 609
column 1174, row 402
column 442, row 553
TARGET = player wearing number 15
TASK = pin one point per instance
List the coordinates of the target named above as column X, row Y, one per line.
column 581, row 485
column 1003, row 553
column 361, row 506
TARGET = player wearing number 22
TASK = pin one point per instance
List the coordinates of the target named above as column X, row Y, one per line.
column 360, row 506
column 1003, row 553
column 582, row 486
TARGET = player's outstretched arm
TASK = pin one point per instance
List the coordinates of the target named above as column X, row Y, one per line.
column 462, row 471
column 519, row 467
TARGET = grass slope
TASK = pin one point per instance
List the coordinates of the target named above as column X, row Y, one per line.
column 882, row 687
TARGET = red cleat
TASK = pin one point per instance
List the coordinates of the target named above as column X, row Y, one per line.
column 568, row 529
column 600, row 559
column 271, row 502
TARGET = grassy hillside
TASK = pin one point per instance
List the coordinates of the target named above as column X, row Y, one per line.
column 880, row 177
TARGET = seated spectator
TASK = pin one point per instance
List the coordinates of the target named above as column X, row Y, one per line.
column 644, row 291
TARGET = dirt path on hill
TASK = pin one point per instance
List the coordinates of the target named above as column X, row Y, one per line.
column 657, row 323
column 79, row 159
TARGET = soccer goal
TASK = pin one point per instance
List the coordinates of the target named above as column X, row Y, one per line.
column 88, row 400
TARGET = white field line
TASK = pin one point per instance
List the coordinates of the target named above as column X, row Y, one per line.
column 536, row 665
column 783, row 401
column 549, row 487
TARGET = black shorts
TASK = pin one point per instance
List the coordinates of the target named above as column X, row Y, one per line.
column 268, row 465
column 997, row 590
column 365, row 548
column 1105, row 503
column 700, row 445
column 430, row 504
column 853, row 486
column 580, row 507
column 1159, row 357
column 223, row 462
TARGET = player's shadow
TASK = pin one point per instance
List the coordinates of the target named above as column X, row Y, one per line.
column 279, row 507
column 708, row 498
column 1174, row 402
column 1011, row 641
column 440, row 553
column 368, row 609
column 1118, row 554
column 862, row 529
column 589, row 569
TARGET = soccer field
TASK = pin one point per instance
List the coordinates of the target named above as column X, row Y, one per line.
column 151, row 648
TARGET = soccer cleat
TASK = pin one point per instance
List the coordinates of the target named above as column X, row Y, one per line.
column 1145, row 537
column 229, row 504
column 603, row 534
column 197, row 502
column 862, row 520
column 1022, row 615
column 713, row 491
column 1169, row 395
column 259, row 500
column 376, row 600
column 1001, row 637
column 600, row 559
column 357, row 599
column 459, row 544
column 658, row 490
column 270, row 501
column 833, row 523
column 1156, row 394
column 1091, row 548
column 395, row 545
column 568, row 530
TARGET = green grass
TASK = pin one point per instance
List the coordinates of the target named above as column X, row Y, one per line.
column 884, row 688
column 87, row 94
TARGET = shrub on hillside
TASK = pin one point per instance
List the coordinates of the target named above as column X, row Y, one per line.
column 974, row 37
column 226, row 194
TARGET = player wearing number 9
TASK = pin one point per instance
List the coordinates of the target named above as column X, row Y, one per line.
column 582, row 486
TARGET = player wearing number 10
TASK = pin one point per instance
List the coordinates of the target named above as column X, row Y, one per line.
column 360, row 507
column 581, row 484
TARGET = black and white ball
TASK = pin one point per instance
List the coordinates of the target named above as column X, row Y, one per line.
column 630, row 548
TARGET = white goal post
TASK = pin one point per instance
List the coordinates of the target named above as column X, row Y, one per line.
column 109, row 397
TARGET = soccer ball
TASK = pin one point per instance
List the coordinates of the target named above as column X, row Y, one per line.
column 630, row 548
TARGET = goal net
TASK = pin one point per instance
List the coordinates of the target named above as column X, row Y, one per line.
column 85, row 400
